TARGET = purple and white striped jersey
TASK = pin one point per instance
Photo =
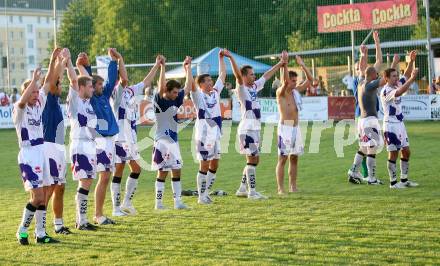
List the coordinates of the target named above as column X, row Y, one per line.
column 392, row 107
column 83, row 119
column 125, row 109
column 28, row 121
column 209, row 117
column 249, row 105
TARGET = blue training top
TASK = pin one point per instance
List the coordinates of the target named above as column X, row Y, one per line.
column 53, row 121
column 107, row 125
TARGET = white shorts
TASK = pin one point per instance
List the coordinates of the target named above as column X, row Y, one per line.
column 32, row 167
column 126, row 151
column 249, row 142
column 396, row 137
column 166, row 155
column 105, row 154
column 208, row 150
column 369, row 132
column 83, row 156
column 55, row 158
column 289, row 140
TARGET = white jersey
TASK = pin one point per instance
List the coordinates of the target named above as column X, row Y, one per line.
column 28, row 121
column 125, row 109
column 209, row 118
column 165, row 112
column 82, row 117
column 249, row 105
column 392, row 107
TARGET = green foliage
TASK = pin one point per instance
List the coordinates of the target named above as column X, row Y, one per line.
column 420, row 29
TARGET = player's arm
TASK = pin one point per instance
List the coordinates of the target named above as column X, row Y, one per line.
column 400, row 91
column 395, row 63
column 112, row 71
column 189, row 83
column 162, row 80
column 284, row 75
column 379, row 59
column 235, row 68
column 29, row 89
column 83, row 65
column 221, row 67
column 53, row 71
column 303, row 86
column 123, row 76
column 71, row 74
column 363, row 61
column 410, row 66
column 148, row 80
column 269, row 74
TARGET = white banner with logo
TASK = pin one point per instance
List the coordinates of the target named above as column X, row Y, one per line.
column 6, row 117
column 435, row 106
column 313, row 108
column 414, row 107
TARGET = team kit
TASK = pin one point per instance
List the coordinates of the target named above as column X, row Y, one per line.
column 103, row 136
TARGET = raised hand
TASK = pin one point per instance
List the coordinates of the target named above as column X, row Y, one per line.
column 412, row 55
column 187, row 62
column 284, row 57
column 226, row 53
column 82, row 60
column 396, row 58
column 220, row 53
column 376, row 36
column 37, row 74
column 55, row 53
column 299, row 60
column 364, row 49
column 65, row 53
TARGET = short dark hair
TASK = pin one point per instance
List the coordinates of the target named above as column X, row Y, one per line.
column 201, row 78
column 96, row 78
column 172, row 84
column 293, row 74
column 82, row 80
column 388, row 71
column 245, row 69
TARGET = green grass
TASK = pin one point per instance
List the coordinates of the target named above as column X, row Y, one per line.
column 329, row 221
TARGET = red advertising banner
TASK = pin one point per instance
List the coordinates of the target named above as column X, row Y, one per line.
column 366, row 16
column 341, row 108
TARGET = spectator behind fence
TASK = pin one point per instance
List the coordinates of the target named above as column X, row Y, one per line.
column 313, row 89
column 4, row 100
column 435, row 88
column 348, row 81
column 275, row 85
column 15, row 96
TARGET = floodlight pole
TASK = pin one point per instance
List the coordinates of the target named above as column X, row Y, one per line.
column 428, row 44
column 8, row 71
column 54, row 23
column 352, row 48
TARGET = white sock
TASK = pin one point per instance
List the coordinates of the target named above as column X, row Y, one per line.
column 210, row 180
column 201, row 184
column 81, row 206
column 115, row 190
column 392, row 172
column 40, row 221
column 358, row 157
column 243, row 184
column 404, row 168
column 160, row 188
column 250, row 175
column 371, row 166
column 58, row 223
column 177, row 189
column 26, row 220
column 130, row 189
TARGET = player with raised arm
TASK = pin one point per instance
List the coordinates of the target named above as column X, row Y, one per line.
column 395, row 134
column 206, row 99
column 166, row 155
column 290, row 144
column 125, row 109
column 82, row 148
column 27, row 118
column 107, row 128
column 250, row 125
column 370, row 138
column 54, row 147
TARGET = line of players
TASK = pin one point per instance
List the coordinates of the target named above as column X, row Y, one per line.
column 390, row 87
column 101, row 143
